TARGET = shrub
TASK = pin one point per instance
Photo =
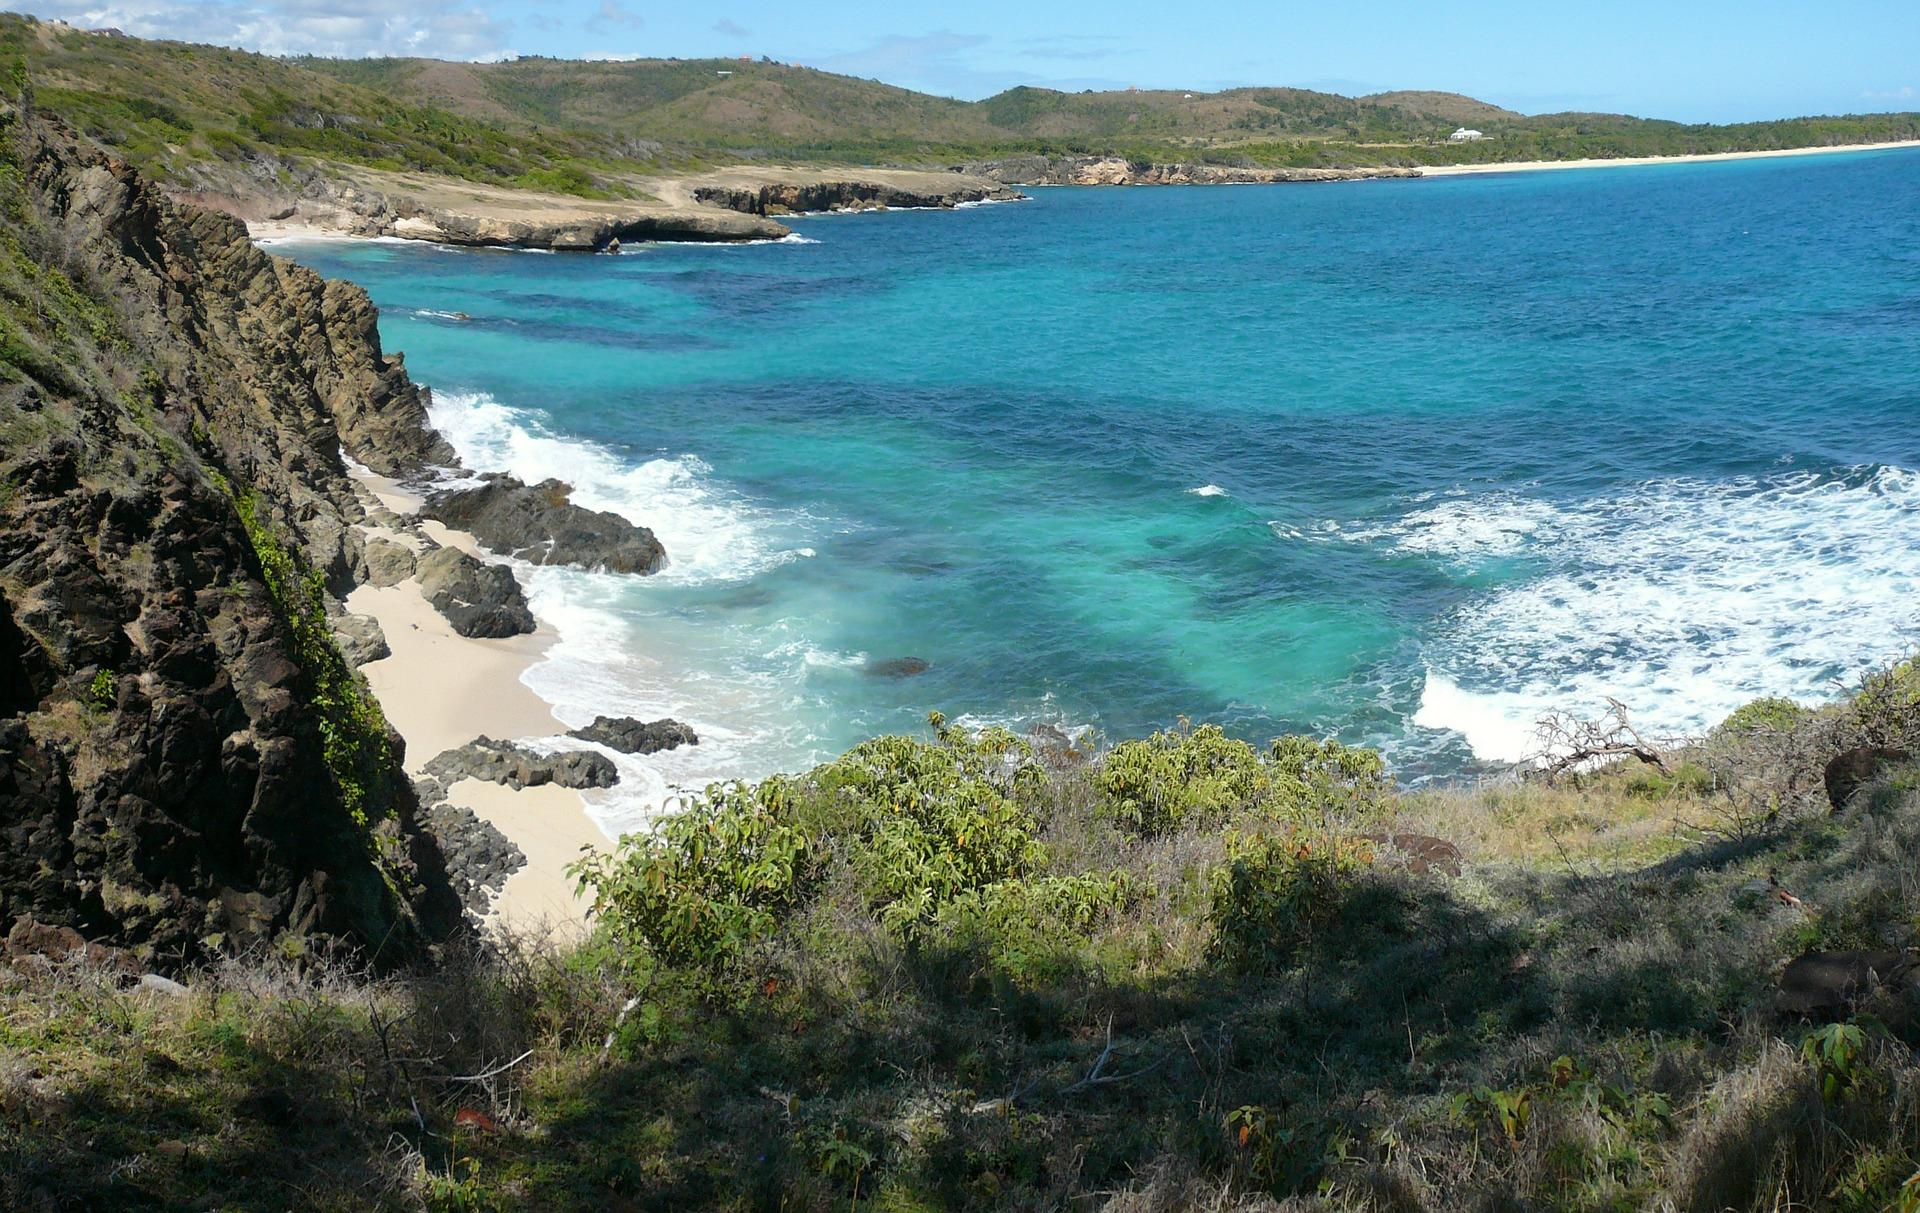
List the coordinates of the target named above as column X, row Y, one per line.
column 1278, row 892
column 1034, row 931
column 1317, row 782
column 1767, row 715
column 1156, row 785
column 708, row 884
column 930, row 820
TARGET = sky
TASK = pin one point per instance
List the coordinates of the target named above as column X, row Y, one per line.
column 1691, row 60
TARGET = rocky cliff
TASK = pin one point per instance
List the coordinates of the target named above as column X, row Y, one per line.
column 805, row 196
column 187, row 764
column 1117, row 170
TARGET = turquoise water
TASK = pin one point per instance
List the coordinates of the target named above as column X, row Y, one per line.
column 1406, row 462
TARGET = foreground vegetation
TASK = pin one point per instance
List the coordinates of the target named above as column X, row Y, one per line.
column 979, row 971
column 194, row 115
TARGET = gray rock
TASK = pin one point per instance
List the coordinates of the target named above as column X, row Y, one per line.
column 479, row 857
column 631, row 736
column 518, row 767
column 478, row 599
column 156, row 984
column 388, row 563
column 539, row 524
column 360, row 638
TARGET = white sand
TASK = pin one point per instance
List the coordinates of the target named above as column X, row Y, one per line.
column 441, row 690
column 1527, row 166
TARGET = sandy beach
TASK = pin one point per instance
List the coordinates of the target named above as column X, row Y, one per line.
column 1528, row 166
column 441, row 690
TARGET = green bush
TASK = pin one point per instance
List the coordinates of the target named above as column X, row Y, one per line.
column 1278, row 892
column 1317, row 782
column 1156, row 785
column 928, row 821
column 1766, row 715
column 708, row 884
column 1034, row 931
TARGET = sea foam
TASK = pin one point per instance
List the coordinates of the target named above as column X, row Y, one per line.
column 1681, row 598
column 610, row 657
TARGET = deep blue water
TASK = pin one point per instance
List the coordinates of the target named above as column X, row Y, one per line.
column 1408, row 462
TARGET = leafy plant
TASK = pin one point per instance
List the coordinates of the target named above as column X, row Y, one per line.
column 707, row 884
column 1278, row 892
column 100, row 692
column 1835, row 1052
column 932, row 820
column 1155, row 785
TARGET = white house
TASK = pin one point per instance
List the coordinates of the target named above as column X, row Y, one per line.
column 1464, row 135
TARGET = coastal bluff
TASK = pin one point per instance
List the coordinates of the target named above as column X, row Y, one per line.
column 189, row 764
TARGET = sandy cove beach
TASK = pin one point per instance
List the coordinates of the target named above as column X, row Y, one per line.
column 1528, row 166
column 441, row 690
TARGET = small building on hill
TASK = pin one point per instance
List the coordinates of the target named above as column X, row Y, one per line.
column 1465, row 135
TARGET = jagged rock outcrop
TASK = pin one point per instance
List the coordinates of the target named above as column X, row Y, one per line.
column 803, row 197
column 1118, row 170
column 478, row 599
column 519, row 767
column 631, row 736
column 388, row 563
column 175, row 405
column 541, row 525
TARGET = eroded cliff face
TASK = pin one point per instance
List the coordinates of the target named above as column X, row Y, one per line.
column 1117, row 170
column 184, row 763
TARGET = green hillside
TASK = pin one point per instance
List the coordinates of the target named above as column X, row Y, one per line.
column 589, row 128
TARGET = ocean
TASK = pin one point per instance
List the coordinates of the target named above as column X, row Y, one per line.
column 1406, row 462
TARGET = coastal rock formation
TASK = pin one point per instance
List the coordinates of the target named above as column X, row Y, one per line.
column 358, row 637
column 802, row 197
column 388, row 563
column 1117, row 170
column 478, row 599
column 631, row 736
column 541, row 525
column 479, row 857
column 519, row 767
column 1825, row 985
column 176, row 405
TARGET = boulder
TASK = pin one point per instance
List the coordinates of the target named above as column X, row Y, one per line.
column 631, row 736
column 1854, row 769
column 388, row 563
column 359, row 637
column 541, row 525
column 478, row 599
column 519, row 767
column 1828, row 984
column 61, row 945
column 1420, row 853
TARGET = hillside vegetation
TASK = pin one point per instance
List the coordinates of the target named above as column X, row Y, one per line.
column 589, row 128
column 986, row 973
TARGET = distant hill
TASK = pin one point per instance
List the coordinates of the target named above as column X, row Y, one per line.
column 1448, row 107
column 599, row 129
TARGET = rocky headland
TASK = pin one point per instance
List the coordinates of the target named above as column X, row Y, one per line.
column 191, row 760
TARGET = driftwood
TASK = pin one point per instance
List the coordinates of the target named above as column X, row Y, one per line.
column 1565, row 742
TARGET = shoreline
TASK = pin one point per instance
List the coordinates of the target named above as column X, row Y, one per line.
column 440, row 690
column 1534, row 166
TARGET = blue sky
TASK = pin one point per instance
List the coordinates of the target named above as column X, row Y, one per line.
column 1696, row 60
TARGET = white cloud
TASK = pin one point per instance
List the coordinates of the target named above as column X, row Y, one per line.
column 1903, row 93
column 451, row 29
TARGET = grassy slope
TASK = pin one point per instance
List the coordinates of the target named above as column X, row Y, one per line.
column 586, row 127
column 1582, row 1021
